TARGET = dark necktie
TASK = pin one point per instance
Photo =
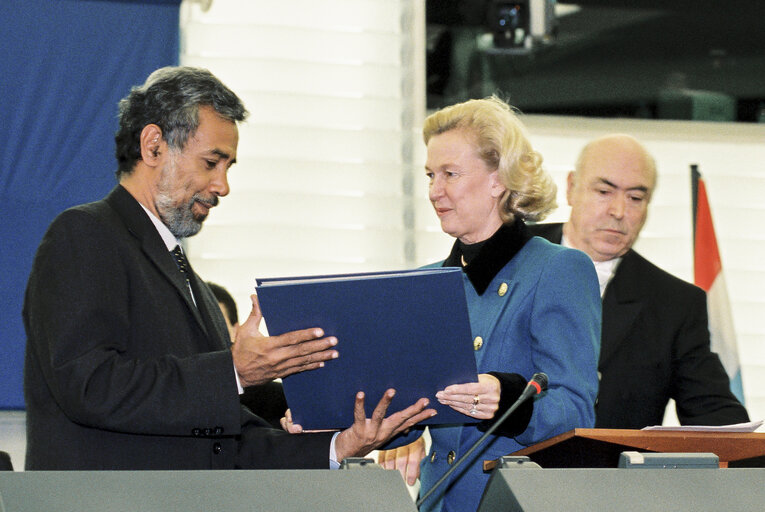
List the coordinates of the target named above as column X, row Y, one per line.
column 183, row 266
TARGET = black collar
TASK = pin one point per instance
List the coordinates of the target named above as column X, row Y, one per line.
column 496, row 252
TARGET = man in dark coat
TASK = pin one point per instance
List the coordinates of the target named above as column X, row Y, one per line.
column 128, row 363
column 655, row 339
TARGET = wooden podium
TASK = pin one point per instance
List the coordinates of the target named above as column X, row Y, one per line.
column 600, row 448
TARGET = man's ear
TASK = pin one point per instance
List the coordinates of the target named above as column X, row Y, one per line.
column 570, row 184
column 153, row 146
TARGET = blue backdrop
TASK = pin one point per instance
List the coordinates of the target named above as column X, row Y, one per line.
column 65, row 64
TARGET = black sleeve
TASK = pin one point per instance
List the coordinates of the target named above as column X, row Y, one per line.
column 511, row 386
column 260, row 447
column 700, row 386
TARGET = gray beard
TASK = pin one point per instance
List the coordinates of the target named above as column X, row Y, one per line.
column 178, row 219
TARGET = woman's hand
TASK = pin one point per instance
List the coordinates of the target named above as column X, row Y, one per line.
column 479, row 400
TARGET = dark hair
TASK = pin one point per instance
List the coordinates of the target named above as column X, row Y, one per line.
column 170, row 98
column 225, row 298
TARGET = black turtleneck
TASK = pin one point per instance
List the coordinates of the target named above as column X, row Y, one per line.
column 485, row 259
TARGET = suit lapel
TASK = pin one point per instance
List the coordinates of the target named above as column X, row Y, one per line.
column 621, row 302
column 621, row 306
column 163, row 260
column 140, row 226
column 210, row 313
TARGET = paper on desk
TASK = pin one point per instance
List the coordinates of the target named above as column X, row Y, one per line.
column 738, row 427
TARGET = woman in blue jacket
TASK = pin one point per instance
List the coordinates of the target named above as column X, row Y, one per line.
column 534, row 306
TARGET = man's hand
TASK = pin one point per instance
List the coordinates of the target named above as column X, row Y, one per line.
column 405, row 458
column 366, row 434
column 259, row 359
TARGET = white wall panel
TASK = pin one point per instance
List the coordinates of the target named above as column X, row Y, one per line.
column 339, row 15
column 316, row 44
column 305, row 77
column 305, row 210
column 323, row 179
column 322, row 143
column 306, row 175
column 278, row 109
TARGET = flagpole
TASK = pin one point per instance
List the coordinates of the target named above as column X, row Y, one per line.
column 708, row 275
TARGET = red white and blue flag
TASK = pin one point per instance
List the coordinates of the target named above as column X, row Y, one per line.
column 708, row 274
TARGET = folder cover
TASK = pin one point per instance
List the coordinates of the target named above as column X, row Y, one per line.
column 407, row 330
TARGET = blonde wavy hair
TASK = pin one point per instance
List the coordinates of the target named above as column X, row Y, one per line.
column 502, row 143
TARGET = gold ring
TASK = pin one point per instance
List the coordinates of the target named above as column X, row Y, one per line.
column 476, row 400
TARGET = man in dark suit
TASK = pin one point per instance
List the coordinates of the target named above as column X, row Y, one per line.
column 128, row 364
column 655, row 338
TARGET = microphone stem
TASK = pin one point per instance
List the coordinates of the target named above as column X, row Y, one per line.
column 529, row 391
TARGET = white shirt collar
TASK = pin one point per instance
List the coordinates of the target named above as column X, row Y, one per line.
column 164, row 231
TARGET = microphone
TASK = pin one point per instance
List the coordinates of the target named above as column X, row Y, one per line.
column 536, row 385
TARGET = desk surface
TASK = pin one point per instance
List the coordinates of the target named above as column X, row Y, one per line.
column 625, row 490
column 371, row 489
column 600, row 448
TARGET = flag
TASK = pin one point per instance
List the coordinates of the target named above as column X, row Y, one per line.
column 708, row 274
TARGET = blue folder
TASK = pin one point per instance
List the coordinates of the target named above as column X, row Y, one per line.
column 406, row 330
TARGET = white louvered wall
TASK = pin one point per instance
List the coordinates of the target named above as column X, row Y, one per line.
column 323, row 182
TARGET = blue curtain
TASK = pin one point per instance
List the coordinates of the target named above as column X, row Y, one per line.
column 65, row 64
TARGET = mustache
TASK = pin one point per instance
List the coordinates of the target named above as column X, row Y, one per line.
column 614, row 225
column 211, row 201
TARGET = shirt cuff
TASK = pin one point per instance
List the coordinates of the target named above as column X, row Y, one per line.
column 333, row 464
column 238, row 382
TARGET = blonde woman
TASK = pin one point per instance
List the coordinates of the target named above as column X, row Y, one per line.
column 534, row 306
